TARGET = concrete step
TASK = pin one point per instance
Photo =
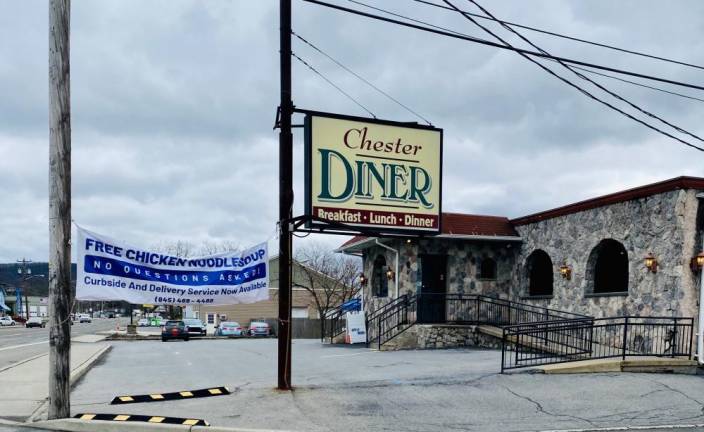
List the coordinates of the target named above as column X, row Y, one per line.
column 635, row 364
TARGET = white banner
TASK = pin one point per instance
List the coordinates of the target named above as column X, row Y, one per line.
column 109, row 269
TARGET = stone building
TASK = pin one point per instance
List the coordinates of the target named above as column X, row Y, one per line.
column 588, row 257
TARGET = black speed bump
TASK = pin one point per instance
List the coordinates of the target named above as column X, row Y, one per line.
column 158, row 397
column 143, row 419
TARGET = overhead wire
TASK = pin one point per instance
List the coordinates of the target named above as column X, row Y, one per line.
column 497, row 45
column 571, row 84
column 332, row 84
column 361, row 78
column 638, row 84
column 386, row 11
column 601, row 87
column 576, row 39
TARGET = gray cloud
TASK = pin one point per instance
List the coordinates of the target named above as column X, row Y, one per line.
column 173, row 104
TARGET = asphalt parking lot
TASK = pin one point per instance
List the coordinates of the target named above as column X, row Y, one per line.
column 351, row 388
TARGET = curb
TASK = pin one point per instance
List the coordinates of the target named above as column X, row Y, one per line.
column 22, row 362
column 631, row 428
column 76, row 425
column 84, row 367
column 76, row 375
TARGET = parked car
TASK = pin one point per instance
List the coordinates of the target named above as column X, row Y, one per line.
column 174, row 329
column 143, row 322
column 84, row 318
column 195, row 326
column 35, row 322
column 259, row 328
column 6, row 321
column 229, row 328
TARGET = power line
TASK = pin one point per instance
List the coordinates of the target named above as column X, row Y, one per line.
column 386, row 11
column 332, row 84
column 638, row 84
column 601, row 87
column 576, row 39
column 361, row 78
column 571, row 84
column 496, row 45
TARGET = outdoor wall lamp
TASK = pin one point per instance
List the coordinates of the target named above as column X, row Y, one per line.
column 651, row 263
column 566, row 271
column 362, row 279
column 390, row 275
column 697, row 263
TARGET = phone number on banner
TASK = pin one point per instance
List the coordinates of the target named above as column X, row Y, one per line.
column 159, row 299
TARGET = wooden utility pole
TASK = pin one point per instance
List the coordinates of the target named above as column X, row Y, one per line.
column 59, row 209
column 285, row 197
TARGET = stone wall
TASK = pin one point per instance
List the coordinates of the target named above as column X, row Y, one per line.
column 661, row 224
column 440, row 337
column 463, row 260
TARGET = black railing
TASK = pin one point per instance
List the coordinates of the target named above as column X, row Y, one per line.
column 335, row 320
column 334, row 323
column 462, row 309
column 550, row 342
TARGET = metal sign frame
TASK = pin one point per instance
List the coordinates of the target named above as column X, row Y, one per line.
column 316, row 224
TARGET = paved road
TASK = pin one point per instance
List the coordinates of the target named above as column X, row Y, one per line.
column 18, row 343
column 342, row 389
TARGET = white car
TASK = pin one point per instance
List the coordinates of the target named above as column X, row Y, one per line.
column 84, row 318
column 6, row 321
column 143, row 322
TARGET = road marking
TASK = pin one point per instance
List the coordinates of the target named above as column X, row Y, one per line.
column 348, row 355
column 23, row 345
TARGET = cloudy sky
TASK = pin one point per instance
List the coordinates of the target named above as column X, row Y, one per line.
column 174, row 100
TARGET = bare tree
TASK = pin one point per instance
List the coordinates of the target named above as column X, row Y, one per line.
column 330, row 278
column 186, row 249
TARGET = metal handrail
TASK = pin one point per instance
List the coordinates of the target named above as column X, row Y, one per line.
column 381, row 321
column 541, row 343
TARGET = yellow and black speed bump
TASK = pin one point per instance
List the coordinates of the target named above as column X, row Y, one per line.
column 159, row 397
column 143, row 419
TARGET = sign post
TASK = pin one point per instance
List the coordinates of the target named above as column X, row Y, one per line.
column 285, row 197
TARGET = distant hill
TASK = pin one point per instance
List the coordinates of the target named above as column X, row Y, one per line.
column 36, row 286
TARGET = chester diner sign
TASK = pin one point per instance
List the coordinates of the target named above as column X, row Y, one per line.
column 373, row 173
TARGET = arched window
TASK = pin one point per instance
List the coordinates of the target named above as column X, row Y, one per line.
column 487, row 269
column 380, row 287
column 539, row 266
column 608, row 268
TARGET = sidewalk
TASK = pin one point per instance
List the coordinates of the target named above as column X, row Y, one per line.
column 26, row 383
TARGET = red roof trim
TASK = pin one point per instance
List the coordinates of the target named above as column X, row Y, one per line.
column 462, row 225
column 614, row 198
